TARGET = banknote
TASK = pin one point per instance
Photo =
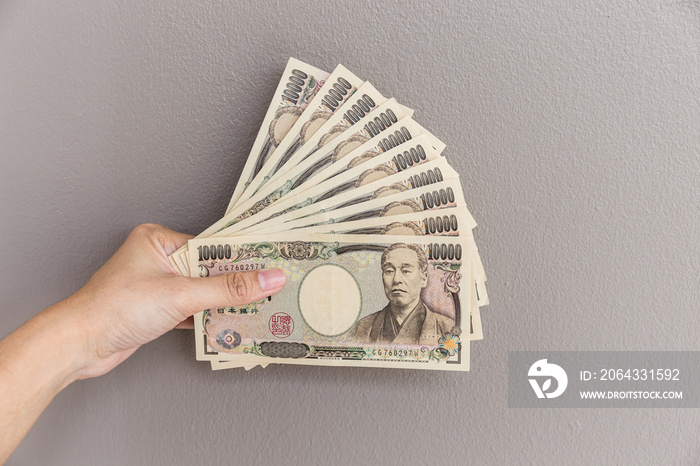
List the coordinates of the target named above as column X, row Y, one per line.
column 340, row 161
column 477, row 334
column 387, row 114
column 341, row 138
column 363, row 171
column 350, row 300
column 384, row 202
column 308, row 162
column 351, row 155
column 476, row 330
column 219, row 365
column 342, row 84
column 299, row 84
column 428, row 173
column 358, row 106
column 391, row 111
column 436, row 196
column 451, row 221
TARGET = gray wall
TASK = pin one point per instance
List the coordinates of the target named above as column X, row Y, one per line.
column 575, row 129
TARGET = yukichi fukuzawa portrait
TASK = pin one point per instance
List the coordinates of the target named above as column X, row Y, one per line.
column 406, row 319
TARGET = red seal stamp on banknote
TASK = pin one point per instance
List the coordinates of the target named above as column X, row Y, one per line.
column 281, row 324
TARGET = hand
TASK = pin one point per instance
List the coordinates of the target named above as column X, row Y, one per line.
column 133, row 299
column 137, row 296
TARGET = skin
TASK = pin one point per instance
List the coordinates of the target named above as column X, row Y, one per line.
column 403, row 281
column 133, row 299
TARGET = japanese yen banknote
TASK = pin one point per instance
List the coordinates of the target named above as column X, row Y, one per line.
column 359, row 205
column 350, row 300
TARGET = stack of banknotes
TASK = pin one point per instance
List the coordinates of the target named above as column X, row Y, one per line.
column 347, row 193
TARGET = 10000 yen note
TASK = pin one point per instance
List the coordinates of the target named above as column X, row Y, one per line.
column 219, row 365
column 355, row 300
column 282, row 185
column 390, row 111
column 345, row 141
column 364, row 101
column 277, row 189
column 450, row 221
column 476, row 333
column 341, row 161
column 365, row 202
column 299, row 84
column 436, row 196
column 363, row 171
column 427, row 173
column 341, row 85
column 351, row 155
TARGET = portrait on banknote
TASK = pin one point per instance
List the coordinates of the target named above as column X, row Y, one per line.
column 406, row 318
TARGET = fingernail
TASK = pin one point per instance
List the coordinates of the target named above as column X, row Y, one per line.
column 272, row 279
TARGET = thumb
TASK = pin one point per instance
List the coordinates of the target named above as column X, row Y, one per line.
column 234, row 289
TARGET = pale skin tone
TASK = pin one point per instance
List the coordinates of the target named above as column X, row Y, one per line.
column 403, row 281
column 133, row 299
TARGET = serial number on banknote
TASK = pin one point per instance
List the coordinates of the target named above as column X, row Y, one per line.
column 239, row 267
column 399, row 353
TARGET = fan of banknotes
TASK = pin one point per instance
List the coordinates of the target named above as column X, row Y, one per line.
column 348, row 194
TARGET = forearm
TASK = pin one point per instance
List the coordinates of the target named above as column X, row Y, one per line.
column 132, row 300
column 37, row 361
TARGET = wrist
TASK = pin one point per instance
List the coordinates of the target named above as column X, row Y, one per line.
column 37, row 361
column 50, row 343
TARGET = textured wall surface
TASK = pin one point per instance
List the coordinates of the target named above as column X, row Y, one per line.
column 576, row 130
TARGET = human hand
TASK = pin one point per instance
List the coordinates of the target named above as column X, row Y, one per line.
column 133, row 299
column 137, row 296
